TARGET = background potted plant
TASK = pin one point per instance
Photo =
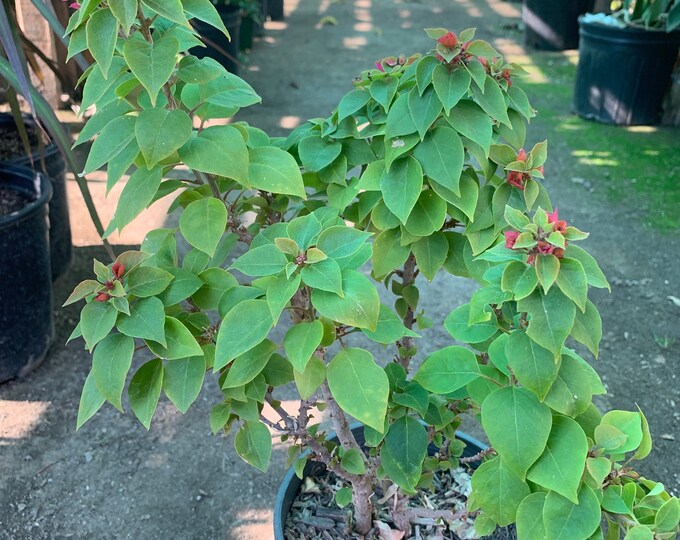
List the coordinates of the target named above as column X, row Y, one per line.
column 639, row 42
column 433, row 185
column 553, row 26
column 251, row 20
column 32, row 140
column 221, row 46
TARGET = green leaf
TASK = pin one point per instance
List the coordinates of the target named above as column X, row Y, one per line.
column 431, row 253
column 468, row 119
column 571, row 392
column 203, row 223
column 388, row 253
column 152, row 63
column 183, row 380
column 399, row 121
column 534, row 366
column 609, row 438
column 325, row 275
column 216, row 282
column 301, row 341
column 160, row 132
column 530, row 517
column 565, row 520
column 279, row 293
column 182, row 287
column 666, row 519
column 341, row 241
column 180, row 342
column 145, row 389
column 264, row 260
column 457, row 325
column 219, row 416
column 91, row 400
column 138, row 193
column 311, row 378
column 646, row 445
column 254, row 444
column 428, row 214
column 630, row 424
column 148, row 281
column 447, row 370
column 246, row 325
column 218, row 150
column 272, row 169
column 403, row 453
column 249, row 365
column 401, row 186
column 640, row 532
column 520, row 279
column 414, row 396
column 83, row 289
column 102, row 32
column 316, row 153
column 518, row 426
column 481, row 48
column 359, row 307
column 498, row 490
column 588, row 328
column 168, row 9
column 492, row 101
column 352, row 102
column 353, row 462
column 304, row 230
column 424, row 109
column 205, row 11
column 450, row 86
column 547, row 269
column 111, row 362
column 424, row 70
column 593, row 273
column 572, row 281
column 552, row 317
column 96, row 321
column 441, row 155
column 383, row 90
column 278, row 371
column 390, row 328
column 359, row 386
column 125, row 11
column 113, row 138
column 561, row 465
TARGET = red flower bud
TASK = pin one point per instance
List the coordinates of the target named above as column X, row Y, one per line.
column 449, row 40
column 552, row 217
column 540, row 169
column 545, row 248
column 516, row 178
column 558, row 252
column 484, row 63
column 379, row 66
column 522, row 155
column 102, row 297
column 118, row 269
column 560, row 226
column 531, row 259
column 510, row 239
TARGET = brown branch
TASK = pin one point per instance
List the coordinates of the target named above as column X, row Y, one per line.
column 478, row 456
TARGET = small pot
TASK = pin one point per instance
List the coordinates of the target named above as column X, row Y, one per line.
column 623, row 73
column 553, row 26
column 26, row 323
column 290, row 486
column 52, row 164
column 246, row 33
column 275, row 10
column 217, row 46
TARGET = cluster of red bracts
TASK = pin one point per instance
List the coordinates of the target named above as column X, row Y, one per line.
column 72, row 5
column 542, row 247
column 519, row 179
column 503, row 74
column 117, row 269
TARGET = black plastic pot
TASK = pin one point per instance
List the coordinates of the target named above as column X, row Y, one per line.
column 623, row 73
column 290, row 486
column 275, row 10
column 26, row 324
column 553, row 25
column 246, row 33
column 217, row 46
column 52, row 164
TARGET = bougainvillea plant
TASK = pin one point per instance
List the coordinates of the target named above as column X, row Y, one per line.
column 419, row 170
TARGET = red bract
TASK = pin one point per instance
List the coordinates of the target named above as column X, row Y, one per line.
column 506, row 76
column 118, row 269
column 558, row 252
column 449, row 40
column 379, row 66
column 552, row 217
column 484, row 63
column 522, row 155
column 102, row 297
column 510, row 239
column 516, row 178
column 545, row 248
column 540, row 169
column 560, row 226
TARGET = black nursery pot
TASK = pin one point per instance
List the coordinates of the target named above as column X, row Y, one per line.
column 553, row 25
column 26, row 324
column 623, row 73
column 217, row 46
column 290, row 486
column 51, row 162
column 246, row 33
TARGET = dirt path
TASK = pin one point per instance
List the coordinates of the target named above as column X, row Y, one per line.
column 113, row 479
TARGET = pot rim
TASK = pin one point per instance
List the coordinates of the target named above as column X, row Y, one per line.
column 39, row 181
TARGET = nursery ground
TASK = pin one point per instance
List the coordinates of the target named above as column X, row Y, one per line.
column 113, row 479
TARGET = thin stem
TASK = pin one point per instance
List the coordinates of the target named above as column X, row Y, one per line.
column 408, row 276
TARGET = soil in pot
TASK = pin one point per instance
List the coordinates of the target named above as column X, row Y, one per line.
column 46, row 158
column 314, row 513
column 12, row 201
